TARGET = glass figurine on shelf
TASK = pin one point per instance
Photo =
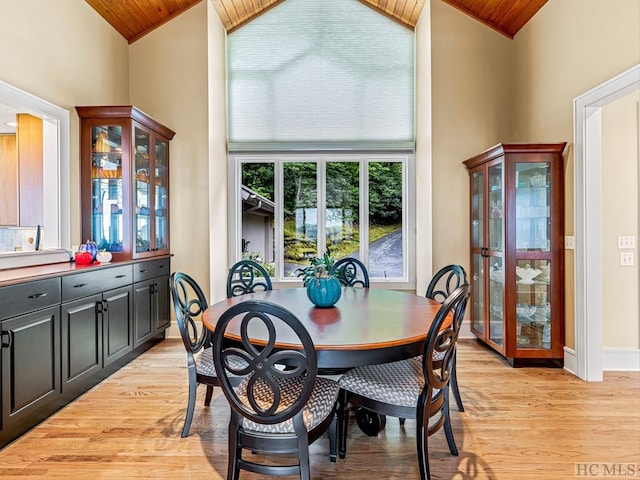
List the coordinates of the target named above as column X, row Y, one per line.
column 496, row 209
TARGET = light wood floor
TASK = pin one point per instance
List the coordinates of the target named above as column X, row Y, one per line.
column 529, row 423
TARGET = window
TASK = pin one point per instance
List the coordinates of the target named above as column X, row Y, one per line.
column 287, row 209
column 330, row 72
column 309, row 84
column 55, row 182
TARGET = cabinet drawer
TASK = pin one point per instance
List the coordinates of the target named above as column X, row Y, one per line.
column 27, row 297
column 151, row 269
column 96, row 281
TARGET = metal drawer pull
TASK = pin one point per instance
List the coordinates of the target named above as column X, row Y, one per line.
column 38, row 295
column 120, row 276
column 161, row 266
column 142, row 271
column 79, row 285
column 9, row 341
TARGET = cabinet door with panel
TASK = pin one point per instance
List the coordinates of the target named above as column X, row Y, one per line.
column 163, row 315
column 117, row 324
column 30, row 359
column 81, row 343
column 125, row 181
column 517, row 251
column 151, row 299
column 143, row 321
column 30, row 383
column 96, row 324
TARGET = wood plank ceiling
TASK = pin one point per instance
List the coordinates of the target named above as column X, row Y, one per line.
column 135, row 18
column 505, row 16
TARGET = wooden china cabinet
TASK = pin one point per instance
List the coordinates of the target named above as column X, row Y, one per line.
column 517, row 251
column 124, row 158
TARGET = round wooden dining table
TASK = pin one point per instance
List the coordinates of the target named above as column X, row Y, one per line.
column 366, row 326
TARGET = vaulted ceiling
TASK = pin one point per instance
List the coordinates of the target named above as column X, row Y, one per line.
column 135, row 18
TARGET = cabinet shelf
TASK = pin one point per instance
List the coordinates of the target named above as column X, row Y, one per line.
column 523, row 321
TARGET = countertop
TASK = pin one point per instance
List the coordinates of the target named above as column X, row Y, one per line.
column 14, row 276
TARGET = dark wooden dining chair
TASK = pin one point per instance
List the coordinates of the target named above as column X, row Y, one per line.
column 274, row 410
column 443, row 284
column 351, row 272
column 414, row 388
column 247, row 276
column 189, row 302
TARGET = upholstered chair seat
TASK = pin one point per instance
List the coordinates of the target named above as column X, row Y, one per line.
column 318, row 407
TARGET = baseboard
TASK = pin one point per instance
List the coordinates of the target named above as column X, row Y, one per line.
column 621, row 359
column 570, row 361
column 173, row 331
column 465, row 331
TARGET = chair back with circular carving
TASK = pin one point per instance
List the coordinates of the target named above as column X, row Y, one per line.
column 189, row 303
column 445, row 281
column 351, row 272
column 247, row 276
column 276, row 383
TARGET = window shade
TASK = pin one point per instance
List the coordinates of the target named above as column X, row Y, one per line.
column 322, row 72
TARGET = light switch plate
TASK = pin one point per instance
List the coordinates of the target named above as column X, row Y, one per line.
column 627, row 259
column 628, row 242
column 570, row 242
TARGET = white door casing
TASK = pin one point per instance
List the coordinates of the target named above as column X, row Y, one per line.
column 588, row 219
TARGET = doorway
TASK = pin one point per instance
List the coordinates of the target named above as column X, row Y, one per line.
column 588, row 220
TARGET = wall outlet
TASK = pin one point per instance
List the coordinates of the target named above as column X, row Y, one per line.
column 627, row 259
column 626, row 243
column 570, row 242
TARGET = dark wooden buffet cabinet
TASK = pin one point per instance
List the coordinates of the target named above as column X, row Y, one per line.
column 63, row 334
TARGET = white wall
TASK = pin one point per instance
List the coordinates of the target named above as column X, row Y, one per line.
column 217, row 135
column 620, row 131
column 471, row 111
column 65, row 53
column 168, row 79
column 424, row 151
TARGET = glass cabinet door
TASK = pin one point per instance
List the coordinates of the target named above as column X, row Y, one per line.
column 477, row 295
column 496, row 301
column 533, row 307
column 477, row 209
column 495, row 209
column 161, row 186
column 533, row 221
column 477, row 249
column 142, row 191
column 494, row 253
column 106, row 187
column 533, row 240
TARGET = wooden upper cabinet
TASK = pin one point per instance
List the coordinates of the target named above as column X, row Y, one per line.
column 124, row 169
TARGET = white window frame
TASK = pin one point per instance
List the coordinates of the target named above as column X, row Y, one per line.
column 278, row 159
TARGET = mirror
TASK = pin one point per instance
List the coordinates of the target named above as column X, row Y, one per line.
column 50, row 199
